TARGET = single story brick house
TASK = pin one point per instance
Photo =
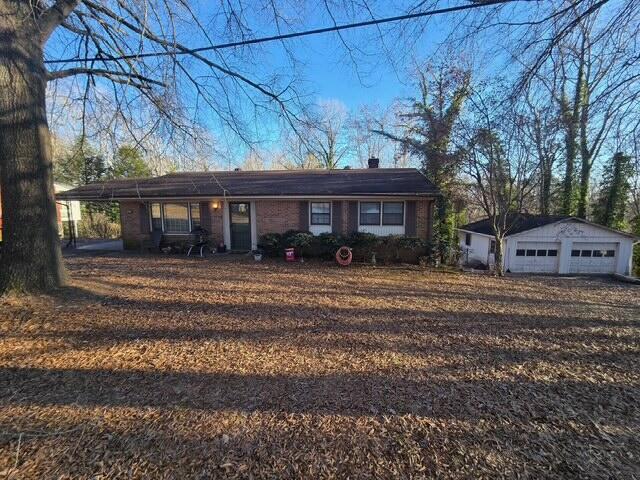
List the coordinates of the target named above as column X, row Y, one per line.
column 550, row 244
column 237, row 207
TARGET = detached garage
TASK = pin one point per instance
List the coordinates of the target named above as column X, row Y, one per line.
column 550, row 244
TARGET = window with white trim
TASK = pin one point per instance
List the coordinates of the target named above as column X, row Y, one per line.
column 320, row 213
column 174, row 218
column 156, row 216
column 382, row 213
column 393, row 213
column 369, row 213
column 195, row 215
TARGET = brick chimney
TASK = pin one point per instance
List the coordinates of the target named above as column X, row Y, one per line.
column 374, row 162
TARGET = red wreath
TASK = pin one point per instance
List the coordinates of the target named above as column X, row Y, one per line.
column 344, row 256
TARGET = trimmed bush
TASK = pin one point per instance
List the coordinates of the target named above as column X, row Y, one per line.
column 323, row 246
column 363, row 245
column 271, row 244
column 301, row 242
column 389, row 249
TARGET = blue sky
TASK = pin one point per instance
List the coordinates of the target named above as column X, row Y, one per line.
column 332, row 74
column 325, row 71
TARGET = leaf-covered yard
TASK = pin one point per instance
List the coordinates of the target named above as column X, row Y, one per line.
column 166, row 367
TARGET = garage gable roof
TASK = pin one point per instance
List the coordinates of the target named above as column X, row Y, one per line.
column 517, row 223
column 524, row 222
column 348, row 182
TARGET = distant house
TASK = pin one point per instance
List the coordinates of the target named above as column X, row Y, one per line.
column 68, row 211
column 237, row 207
column 550, row 244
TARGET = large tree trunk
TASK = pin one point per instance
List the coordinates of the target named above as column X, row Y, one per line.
column 30, row 258
column 498, row 257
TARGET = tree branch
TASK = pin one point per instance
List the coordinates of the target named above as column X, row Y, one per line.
column 54, row 16
column 119, row 77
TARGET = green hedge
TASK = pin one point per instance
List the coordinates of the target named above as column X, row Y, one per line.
column 390, row 249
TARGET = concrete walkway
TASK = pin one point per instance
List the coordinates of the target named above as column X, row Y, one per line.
column 102, row 245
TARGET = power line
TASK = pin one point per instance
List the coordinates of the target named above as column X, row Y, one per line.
column 286, row 36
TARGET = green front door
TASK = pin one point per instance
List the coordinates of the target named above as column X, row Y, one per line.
column 240, row 216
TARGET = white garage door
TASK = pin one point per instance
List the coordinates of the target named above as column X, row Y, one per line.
column 537, row 257
column 593, row 257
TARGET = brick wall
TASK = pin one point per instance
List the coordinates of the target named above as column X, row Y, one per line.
column 344, row 224
column 272, row 216
column 130, row 217
column 277, row 216
column 216, row 222
column 423, row 219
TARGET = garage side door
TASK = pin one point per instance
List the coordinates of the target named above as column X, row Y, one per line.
column 536, row 257
column 593, row 257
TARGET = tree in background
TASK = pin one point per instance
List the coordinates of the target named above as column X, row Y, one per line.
column 635, row 229
column 368, row 144
column 426, row 132
column 570, row 121
column 586, row 62
column 128, row 163
column 81, row 165
column 295, row 153
column 540, row 127
column 326, row 136
column 611, row 206
column 501, row 170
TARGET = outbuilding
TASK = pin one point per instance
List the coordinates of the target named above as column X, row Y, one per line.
column 550, row 244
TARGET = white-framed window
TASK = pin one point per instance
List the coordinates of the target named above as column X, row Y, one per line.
column 194, row 212
column 369, row 213
column 382, row 213
column 156, row 216
column 392, row 213
column 320, row 213
column 174, row 217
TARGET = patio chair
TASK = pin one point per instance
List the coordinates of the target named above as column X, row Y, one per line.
column 198, row 238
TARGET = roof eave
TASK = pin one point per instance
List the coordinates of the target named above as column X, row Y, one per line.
column 69, row 196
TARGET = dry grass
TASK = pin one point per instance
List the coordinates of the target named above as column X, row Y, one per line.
column 174, row 368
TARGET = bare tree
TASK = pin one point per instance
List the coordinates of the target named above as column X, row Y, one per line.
column 366, row 142
column 295, row 154
column 140, row 56
column 540, row 127
column 584, row 53
column 253, row 161
column 328, row 136
column 501, row 171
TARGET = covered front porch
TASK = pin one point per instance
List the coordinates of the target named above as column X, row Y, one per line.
column 230, row 225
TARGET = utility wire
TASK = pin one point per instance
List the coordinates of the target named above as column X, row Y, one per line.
column 286, row 36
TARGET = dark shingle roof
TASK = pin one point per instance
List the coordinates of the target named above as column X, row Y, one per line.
column 520, row 222
column 359, row 182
